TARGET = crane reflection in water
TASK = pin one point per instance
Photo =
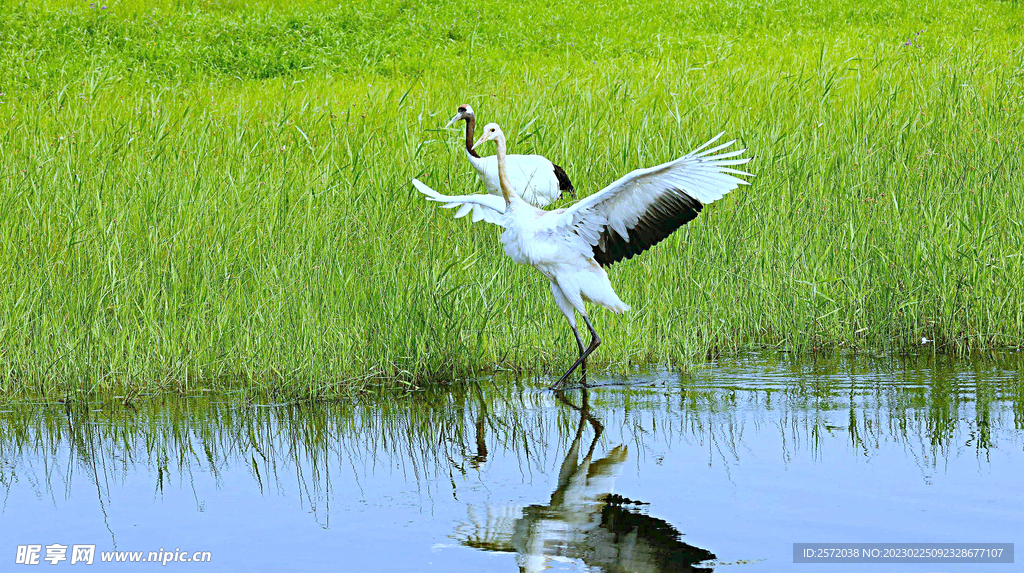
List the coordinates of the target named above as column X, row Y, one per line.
column 583, row 520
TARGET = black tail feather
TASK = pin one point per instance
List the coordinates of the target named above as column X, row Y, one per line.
column 563, row 181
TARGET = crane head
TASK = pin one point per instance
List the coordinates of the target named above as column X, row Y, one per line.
column 492, row 132
column 464, row 112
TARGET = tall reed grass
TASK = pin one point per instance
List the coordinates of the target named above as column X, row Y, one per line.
column 202, row 194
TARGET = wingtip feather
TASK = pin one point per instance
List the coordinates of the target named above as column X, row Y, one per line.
column 430, row 193
column 706, row 144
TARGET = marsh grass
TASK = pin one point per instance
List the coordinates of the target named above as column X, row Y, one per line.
column 216, row 194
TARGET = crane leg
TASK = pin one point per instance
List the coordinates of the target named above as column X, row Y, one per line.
column 579, row 344
column 595, row 341
column 570, row 316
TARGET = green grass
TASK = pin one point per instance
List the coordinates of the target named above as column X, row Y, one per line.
column 205, row 194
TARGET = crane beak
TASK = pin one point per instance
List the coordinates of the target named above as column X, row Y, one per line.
column 457, row 117
column 483, row 139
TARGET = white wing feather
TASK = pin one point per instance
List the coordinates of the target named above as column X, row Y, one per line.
column 698, row 174
column 489, row 208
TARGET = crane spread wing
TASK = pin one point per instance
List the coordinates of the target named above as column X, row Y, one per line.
column 645, row 206
column 489, row 208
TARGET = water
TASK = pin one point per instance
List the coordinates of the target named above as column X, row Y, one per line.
column 722, row 470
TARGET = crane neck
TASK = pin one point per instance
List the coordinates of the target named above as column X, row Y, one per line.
column 470, row 128
column 506, row 186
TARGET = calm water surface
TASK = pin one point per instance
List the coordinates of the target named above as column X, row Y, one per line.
column 721, row 470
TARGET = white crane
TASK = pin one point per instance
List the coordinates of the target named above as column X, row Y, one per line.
column 538, row 181
column 571, row 246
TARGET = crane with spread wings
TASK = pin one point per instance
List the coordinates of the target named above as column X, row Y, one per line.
column 572, row 246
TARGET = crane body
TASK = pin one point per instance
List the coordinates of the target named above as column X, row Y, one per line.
column 534, row 178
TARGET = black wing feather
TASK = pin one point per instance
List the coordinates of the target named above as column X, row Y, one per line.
column 672, row 210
